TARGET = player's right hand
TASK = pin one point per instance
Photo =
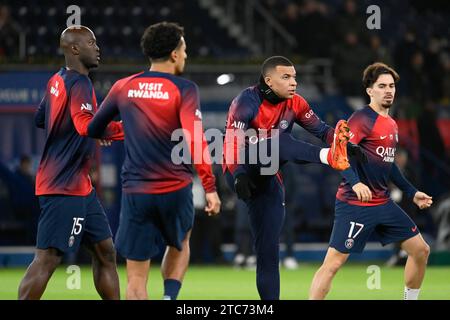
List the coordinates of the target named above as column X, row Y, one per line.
column 362, row 192
column 244, row 186
column 212, row 203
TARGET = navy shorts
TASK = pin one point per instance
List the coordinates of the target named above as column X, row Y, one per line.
column 144, row 218
column 65, row 221
column 353, row 225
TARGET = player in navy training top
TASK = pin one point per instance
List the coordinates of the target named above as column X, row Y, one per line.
column 363, row 203
column 274, row 104
column 70, row 212
column 157, row 188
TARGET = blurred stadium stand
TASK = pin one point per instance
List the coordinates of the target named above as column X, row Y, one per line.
column 328, row 40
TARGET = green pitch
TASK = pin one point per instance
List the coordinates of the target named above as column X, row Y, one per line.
column 221, row 282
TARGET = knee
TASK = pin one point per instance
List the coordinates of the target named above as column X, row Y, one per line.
column 106, row 255
column 48, row 261
column 333, row 267
column 136, row 289
column 422, row 253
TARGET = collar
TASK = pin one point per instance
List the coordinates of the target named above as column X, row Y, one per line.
column 268, row 93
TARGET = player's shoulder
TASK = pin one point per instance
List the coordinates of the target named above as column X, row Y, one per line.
column 123, row 81
column 247, row 102
column 365, row 112
column 299, row 99
column 299, row 103
column 249, row 97
column 363, row 119
column 74, row 79
column 181, row 83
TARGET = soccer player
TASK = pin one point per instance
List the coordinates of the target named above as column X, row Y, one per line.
column 274, row 104
column 70, row 211
column 363, row 203
column 157, row 190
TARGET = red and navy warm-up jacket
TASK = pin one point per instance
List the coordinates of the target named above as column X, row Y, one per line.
column 64, row 112
column 152, row 105
column 377, row 136
column 249, row 110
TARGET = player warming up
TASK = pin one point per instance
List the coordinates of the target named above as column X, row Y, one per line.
column 70, row 211
column 156, row 188
column 363, row 203
column 274, row 104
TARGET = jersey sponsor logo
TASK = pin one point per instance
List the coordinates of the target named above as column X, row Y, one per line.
column 54, row 89
column 86, row 106
column 238, row 125
column 198, row 114
column 387, row 153
column 284, row 124
column 149, row 91
column 309, row 114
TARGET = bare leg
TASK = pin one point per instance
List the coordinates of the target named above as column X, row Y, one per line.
column 137, row 274
column 104, row 269
column 321, row 282
column 175, row 263
column 418, row 252
column 38, row 273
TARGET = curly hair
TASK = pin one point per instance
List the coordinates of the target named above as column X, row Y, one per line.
column 372, row 72
column 160, row 39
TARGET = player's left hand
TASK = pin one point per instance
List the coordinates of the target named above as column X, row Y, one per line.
column 355, row 151
column 422, row 200
column 104, row 142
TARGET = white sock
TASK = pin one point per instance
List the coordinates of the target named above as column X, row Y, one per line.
column 411, row 294
column 323, row 155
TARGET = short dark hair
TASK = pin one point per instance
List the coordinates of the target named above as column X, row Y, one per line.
column 372, row 72
column 273, row 62
column 160, row 39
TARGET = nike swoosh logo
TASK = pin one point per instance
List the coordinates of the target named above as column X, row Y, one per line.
column 414, row 229
column 383, row 137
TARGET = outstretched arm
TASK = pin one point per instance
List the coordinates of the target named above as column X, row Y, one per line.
column 312, row 123
column 421, row 199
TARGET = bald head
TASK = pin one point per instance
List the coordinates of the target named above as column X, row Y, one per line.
column 73, row 35
column 79, row 46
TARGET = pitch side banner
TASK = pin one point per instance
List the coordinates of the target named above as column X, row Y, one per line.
column 22, row 90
